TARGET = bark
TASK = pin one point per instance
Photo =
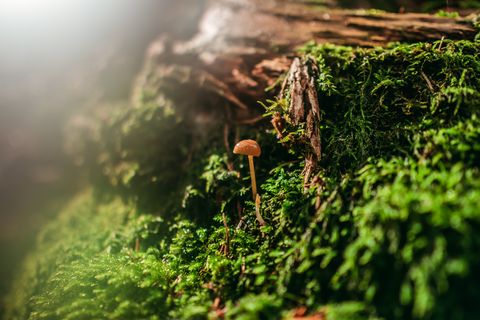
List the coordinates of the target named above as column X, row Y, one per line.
column 243, row 46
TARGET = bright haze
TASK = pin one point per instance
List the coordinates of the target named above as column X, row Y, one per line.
column 58, row 58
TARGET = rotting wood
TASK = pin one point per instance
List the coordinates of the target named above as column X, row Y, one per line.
column 304, row 108
column 243, row 46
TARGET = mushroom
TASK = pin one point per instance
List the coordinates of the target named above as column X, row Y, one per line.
column 251, row 149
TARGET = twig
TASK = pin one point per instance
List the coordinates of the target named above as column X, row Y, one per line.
column 429, row 83
column 226, row 133
column 137, row 245
column 226, row 247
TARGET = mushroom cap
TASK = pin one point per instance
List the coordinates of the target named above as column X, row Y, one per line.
column 247, row 147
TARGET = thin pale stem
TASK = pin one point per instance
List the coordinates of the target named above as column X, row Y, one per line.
column 252, row 175
column 257, row 211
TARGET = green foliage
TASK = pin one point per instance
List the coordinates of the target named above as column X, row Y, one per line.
column 146, row 152
column 351, row 310
column 255, row 307
column 391, row 230
column 385, row 96
column 61, row 243
column 422, row 6
column 123, row 286
column 447, row 14
column 410, row 248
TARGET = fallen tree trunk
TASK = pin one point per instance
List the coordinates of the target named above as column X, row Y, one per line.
column 242, row 47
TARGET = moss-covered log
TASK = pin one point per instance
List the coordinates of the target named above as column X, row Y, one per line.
column 242, row 47
column 385, row 226
column 388, row 228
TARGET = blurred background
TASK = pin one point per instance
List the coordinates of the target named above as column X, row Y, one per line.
column 60, row 58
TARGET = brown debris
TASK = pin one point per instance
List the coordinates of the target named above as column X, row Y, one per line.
column 310, row 165
column 278, row 124
column 319, row 183
column 300, row 313
column 268, row 71
column 313, row 133
column 216, row 307
column 137, row 244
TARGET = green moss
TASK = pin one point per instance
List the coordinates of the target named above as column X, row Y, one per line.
column 447, row 14
column 423, row 6
column 388, row 95
column 392, row 232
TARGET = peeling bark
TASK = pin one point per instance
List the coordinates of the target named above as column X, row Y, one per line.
column 304, row 108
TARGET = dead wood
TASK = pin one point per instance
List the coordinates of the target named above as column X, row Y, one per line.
column 243, row 46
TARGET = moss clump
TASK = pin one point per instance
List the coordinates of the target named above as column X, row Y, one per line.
column 390, row 229
column 374, row 101
column 86, row 229
column 423, row 6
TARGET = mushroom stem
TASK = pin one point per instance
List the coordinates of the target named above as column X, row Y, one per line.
column 257, row 211
column 252, row 174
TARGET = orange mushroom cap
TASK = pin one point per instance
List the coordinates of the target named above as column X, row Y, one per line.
column 247, row 147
